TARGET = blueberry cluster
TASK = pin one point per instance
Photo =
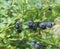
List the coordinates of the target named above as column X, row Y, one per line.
column 37, row 46
column 41, row 25
column 18, row 27
column 32, row 25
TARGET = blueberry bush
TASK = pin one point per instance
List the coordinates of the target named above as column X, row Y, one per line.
column 29, row 24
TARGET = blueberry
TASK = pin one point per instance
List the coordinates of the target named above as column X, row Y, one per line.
column 34, row 28
column 49, row 24
column 19, row 30
column 32, row 43
column 40, row 7
column 30, row 27
column 42, row 25
column 30, row 22
column 16, row 26
column 17, row 23
column 37, row 46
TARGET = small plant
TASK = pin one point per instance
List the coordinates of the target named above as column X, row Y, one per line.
column 36, row 19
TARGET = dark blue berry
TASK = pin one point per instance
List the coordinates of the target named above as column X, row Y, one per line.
column 30, row 27
column 16, row 26
column 17, row 23
column 32, row 43
column 19, row 30
column 42, row 25
column 37, row 46
column 49, row 24
column 34, row 28
column 30, row 22
column 40, row 7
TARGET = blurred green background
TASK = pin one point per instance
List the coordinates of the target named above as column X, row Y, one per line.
column 24, row 10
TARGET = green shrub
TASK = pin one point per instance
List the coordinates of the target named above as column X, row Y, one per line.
column 39, row 11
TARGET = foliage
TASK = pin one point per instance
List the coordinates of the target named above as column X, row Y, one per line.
column 12, row 11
